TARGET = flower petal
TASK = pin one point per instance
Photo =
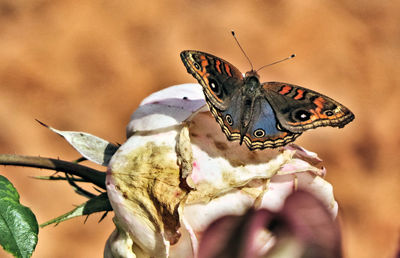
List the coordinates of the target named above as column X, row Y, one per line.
column 143, row 187
column 165, row 108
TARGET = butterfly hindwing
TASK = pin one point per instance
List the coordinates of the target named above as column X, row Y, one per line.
column 229, row 119
column 220, row 79
column 299, row 109
column 264, row 131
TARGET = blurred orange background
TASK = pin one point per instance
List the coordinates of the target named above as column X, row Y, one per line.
column 86, row 67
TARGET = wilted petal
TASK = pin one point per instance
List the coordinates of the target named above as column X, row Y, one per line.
column 119, row 244
column 220, row 165
column 200, row 215
column 143, row 188
column 304, row 154
column 167, row 107
column 282, row 186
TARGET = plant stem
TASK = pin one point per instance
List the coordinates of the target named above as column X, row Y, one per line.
column 92, row 175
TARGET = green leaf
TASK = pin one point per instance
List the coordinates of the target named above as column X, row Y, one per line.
column 89, row 146
column 96, row 204
column 18, row 225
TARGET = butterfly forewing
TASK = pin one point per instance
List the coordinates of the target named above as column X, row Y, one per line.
column 220, row 79
column 299, row 109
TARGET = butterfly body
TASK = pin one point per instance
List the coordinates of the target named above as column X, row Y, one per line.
column 262, row 115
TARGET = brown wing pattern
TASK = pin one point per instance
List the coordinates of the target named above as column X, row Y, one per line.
column 299, row 109
column 219, row 78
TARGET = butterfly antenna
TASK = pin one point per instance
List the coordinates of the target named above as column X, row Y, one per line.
column 287, row 58
column 237, row 41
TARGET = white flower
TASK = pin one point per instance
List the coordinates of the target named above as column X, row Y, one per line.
column 177, row 173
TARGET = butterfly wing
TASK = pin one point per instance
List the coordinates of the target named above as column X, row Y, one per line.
column 229, row 119
column 298, row 109
column 264, row 130
column 220, row 79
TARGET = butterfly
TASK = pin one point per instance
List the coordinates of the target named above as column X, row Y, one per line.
column 262, row 115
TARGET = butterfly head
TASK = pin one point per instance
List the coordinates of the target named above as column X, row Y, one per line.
column 252, row 73
column 251, row 82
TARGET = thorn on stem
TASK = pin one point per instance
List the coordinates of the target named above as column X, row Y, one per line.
column 40, row 122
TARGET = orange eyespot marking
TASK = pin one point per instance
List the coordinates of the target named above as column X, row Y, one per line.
column 300, row 94
column 217, row 66
column 228, row 70
column 285, row 90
